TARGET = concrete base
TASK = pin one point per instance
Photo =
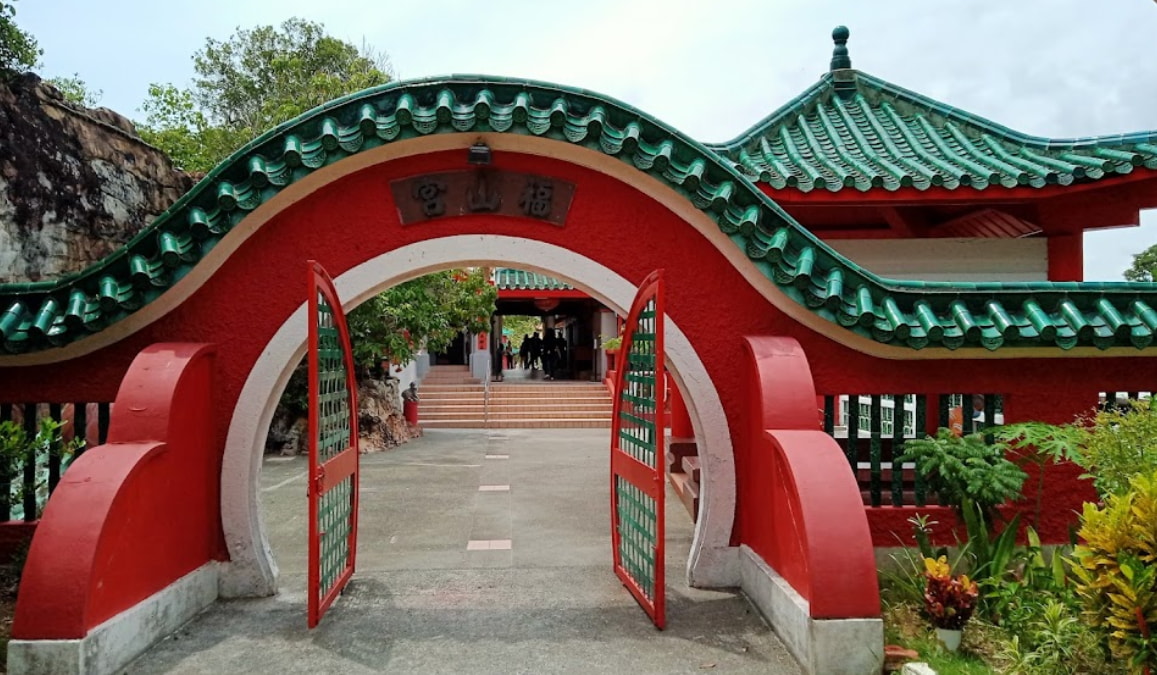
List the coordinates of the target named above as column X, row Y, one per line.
column 113, row 644
column 822, row 646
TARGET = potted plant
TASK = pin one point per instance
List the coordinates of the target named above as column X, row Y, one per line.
column 611, row 347
column 948, row 601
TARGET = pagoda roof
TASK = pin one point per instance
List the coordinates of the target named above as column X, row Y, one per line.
column 852, row 130
column 508, row 279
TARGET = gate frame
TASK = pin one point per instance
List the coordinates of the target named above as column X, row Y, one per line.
column 652, row 480
column 319, row 480
column 252, row 571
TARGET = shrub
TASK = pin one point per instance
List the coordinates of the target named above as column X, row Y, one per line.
column 965, row 468
column 1116, row 569
column 1120, row 443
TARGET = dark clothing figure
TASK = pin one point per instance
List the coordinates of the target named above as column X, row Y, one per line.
column 524, row 352
column 550, row 353
column 533, row 349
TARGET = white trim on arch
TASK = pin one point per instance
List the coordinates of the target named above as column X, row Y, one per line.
column 252, row 570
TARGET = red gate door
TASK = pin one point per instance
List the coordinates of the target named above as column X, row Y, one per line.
column 637, row 487
column 333, row 447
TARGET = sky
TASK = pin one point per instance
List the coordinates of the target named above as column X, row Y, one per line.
column 1056, row 68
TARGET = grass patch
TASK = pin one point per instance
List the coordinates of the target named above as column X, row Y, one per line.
column 904, row 625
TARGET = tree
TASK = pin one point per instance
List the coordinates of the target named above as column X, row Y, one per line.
column 18, row 49
column 425, row 312
column 1144, row 266
column 174, row 124
column 75, row 90
column 252, row 82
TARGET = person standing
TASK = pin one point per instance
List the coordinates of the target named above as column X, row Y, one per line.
column 524, row 352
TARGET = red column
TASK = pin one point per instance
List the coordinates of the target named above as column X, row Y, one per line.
column 680, row 420
column 1066, row 256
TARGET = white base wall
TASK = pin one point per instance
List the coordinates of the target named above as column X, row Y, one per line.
column 822, row 646
column 950, row 259
column 113, row 644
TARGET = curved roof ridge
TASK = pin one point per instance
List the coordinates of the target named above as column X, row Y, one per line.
column 760, row 128
column 912, row 314
column 951, row 111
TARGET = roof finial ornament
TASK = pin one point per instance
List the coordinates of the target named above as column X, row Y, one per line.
column 840, row 58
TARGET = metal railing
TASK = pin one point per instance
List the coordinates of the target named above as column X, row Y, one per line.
column 873, row 428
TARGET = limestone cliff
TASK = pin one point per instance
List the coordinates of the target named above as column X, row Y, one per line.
column 75, row 183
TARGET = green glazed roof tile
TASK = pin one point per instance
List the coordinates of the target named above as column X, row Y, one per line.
column 912, row 314
column 853, row 130
column 507, row 279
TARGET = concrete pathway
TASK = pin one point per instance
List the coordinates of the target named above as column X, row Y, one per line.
column 479, row 552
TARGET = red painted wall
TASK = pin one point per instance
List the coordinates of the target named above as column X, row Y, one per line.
column 353, row 219
column 130, row 517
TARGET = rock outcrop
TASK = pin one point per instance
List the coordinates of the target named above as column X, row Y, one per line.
column 381, row 425
column 75, row 183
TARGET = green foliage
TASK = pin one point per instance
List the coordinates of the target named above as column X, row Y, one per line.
column 18, row 49
column 425, row 312
column 1053, row 640
column 263, row 76
column 75, row 90
column 1016, row 600
column 520, row 326
column 1120, row 443
column 965, row 469
column 250, row 83
column 175, row 125
column 16, row 447
column 1144, row 267
column 1116, row 569
column 613, row 343
column 990, row 554
column 1113, row 445
column 1039, row 444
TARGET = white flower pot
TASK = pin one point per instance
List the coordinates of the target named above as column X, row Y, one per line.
column 950, row 637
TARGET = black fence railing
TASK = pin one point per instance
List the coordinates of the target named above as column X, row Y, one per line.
column 873, row 428
column 27, row 480
column 1119, row 400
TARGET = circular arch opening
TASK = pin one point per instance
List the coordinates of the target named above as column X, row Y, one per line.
column 252, row 570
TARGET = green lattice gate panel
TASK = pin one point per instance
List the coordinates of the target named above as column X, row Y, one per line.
column 637, row 487
column 333, row 447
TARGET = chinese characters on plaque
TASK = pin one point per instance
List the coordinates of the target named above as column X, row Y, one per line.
column 459, row 193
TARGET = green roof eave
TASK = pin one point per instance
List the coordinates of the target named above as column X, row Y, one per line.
column 911, row 314
column 506, row 278
column 853, row 130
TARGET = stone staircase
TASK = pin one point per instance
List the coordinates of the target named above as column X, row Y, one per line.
column 452, row 399
column 683, row 472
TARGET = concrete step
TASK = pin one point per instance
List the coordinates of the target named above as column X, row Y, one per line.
column 465, row 398
column 427, row 416
column 515, row 391
column 541, row 407
column 691, row 467
column 688, row 491
column 520, row 424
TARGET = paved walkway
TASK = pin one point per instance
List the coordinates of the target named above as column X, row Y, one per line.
column 538, row 596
